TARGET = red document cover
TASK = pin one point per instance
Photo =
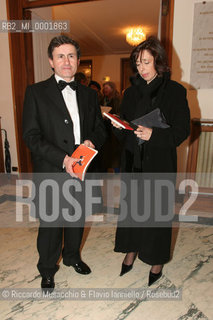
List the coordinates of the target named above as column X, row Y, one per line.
column 85, row 154
column 117, row 120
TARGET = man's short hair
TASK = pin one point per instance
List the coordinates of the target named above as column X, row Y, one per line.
column 95, row 83
column 58, row 41
column 80, row 76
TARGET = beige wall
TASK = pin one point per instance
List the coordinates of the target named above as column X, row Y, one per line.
column 200, row 101
column 6, row 100
column 41, row 40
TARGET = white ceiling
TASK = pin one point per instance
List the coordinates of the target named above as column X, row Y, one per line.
column 99, row 26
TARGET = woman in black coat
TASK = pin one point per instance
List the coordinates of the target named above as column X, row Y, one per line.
column 151, row 89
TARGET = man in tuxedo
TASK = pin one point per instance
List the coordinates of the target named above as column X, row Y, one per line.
column 58, row 115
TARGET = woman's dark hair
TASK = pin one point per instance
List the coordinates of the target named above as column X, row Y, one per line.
column 58, row 41
column 153, row 45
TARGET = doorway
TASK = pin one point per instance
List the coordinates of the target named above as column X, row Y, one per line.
column 22, row 59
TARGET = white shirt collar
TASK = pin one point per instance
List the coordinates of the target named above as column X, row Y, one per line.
column 58, row 78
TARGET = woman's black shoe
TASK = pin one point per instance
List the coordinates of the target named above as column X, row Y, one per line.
column 125, row 268
column 154, row 277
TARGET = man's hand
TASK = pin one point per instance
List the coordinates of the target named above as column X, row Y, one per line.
column 143, row 133
column 89, row 144
column 68, row 163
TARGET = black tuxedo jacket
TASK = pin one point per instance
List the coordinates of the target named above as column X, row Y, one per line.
column 48, row 128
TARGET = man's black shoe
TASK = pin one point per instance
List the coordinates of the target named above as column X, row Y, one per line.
column 47, row 284
column 81, row 267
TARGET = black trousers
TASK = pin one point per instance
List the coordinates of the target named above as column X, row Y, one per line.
column 49, row 244
column 62, row 235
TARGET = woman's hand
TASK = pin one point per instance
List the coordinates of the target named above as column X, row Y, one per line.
column 143, row 133
column 116, row 125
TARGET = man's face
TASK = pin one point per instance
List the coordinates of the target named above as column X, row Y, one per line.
column 65, row 61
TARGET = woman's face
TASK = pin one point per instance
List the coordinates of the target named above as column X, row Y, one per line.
column 107, row 90
column 145, row 66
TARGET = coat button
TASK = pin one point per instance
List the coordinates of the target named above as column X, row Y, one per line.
column 66, row 121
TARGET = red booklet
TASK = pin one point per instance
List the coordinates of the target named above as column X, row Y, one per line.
column 85, row 154
column 124, row 124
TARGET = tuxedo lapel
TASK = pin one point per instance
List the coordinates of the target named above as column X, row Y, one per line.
column 56, row 97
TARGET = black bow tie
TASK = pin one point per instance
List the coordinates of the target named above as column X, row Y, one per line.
column 62, row 84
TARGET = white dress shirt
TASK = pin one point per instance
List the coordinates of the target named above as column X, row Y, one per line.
column 70, row 99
